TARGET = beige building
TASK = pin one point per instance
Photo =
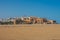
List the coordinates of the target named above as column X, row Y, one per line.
column 28, row 20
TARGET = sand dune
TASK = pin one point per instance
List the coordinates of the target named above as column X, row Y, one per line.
column 30, row 32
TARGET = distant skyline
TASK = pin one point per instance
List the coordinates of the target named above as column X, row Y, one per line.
column 49, row 9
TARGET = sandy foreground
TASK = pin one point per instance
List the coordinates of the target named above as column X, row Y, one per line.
column 30, row 32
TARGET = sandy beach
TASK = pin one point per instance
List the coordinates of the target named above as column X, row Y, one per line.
column 30, row 32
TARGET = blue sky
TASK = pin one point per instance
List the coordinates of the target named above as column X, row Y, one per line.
column 49, row 9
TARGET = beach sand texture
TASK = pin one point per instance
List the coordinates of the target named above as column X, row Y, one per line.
column 30, row 32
